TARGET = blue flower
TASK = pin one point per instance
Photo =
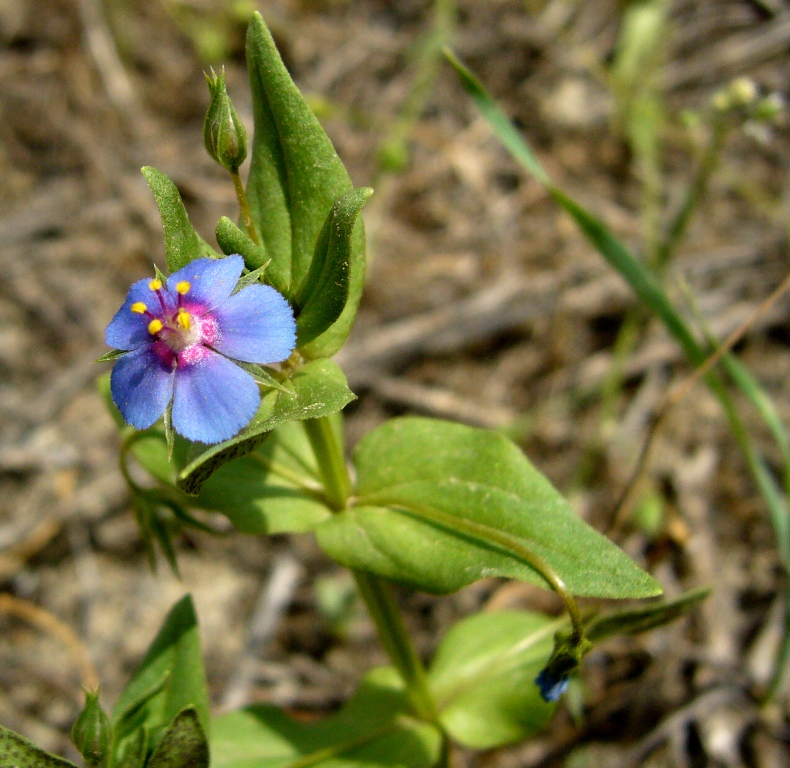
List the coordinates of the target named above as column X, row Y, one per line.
column 552, row 686
column 181, row 338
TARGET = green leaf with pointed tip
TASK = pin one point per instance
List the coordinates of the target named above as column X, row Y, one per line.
column 17, row 752
column 483, row 677
column 274, row 489
column 169, row 679
column 183, row 745
column 644, row 617
column 317, row 389
column 182, row 243
column 373, row 729
column 439, row 505
column 295, row 174
column 324, row 292
column 233, row 240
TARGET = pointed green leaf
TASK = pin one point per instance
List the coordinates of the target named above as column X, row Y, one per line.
column 631, row 621
column 173, row 669
column 295, row 174
column 233, row 240
column 317, row 389
column 182, row 243
column 274, row 489
column 323, row 294
column 440, row 505
column 373, row 729
column 184, row 744
column 17, row 752
column 483, row 677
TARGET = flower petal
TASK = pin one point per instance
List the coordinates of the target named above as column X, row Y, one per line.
column 214, row 398
column 142, row 385
column 255, row 325
column 129, row 330
column 211, row 280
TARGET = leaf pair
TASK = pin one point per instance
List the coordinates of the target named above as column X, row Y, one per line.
column 482, row 678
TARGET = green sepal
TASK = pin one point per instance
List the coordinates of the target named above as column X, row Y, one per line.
column 224, row 134
column 324, row 293
column 182, row 243
column 184, row 744
column 251, row 277
column 374, row 729
column 17, row 752
column 111, row 356
column 317, row 389
column 91, row 733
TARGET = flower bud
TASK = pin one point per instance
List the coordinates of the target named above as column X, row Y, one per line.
column 92, row 733
column 769, row 109
column 223, row 132
column 743, row 91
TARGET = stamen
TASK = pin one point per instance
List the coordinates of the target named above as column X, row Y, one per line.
column 155, row 284
column 183, row 319
column 139, row 308
column 154, row 326
column 183, row 287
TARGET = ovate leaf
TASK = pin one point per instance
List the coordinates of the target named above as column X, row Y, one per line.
column 483, row 677
column 323, row 294
column 439, row 505
column 373, row 729
column 184, row 744
column 317, row 389
column 169, row 679
column 295, row 174
column 274, row 489
column 182, row 243
column 17, row 752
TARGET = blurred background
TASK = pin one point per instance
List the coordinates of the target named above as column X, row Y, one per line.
column 484, row 304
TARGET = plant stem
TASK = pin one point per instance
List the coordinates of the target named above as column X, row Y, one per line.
column 328, row 451
column 383, row 609
column 376, row 592
column 244, row 206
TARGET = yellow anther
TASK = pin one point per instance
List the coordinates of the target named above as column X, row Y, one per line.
column 139, row 308
column 155, row 284
column 183, row 287
column 154, row 327
column 183, row 319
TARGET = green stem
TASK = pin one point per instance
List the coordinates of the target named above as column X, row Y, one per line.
column 331, row 461
column 376, row 592
column 695, row 192
column 244, row 206
column 386, row 615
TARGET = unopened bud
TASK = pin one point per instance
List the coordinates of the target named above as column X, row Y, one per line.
column 743, row 91
column 92, row 733
column 223, row 132
column 770, row 108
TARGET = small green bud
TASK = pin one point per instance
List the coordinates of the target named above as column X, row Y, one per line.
column 223, row 132
column 769, row 109
column 92, row 733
